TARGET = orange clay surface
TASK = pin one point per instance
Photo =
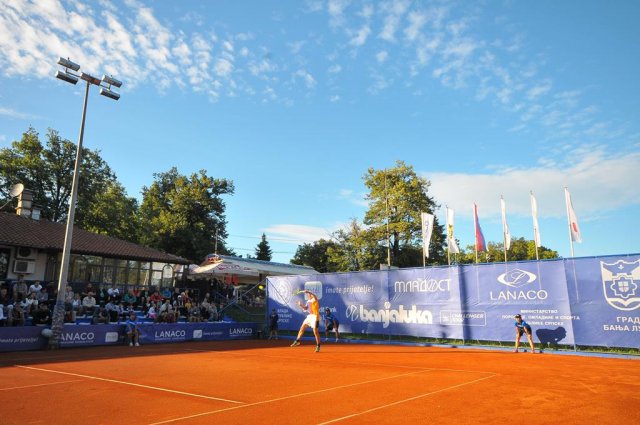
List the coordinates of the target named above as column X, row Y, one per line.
column 268, row 382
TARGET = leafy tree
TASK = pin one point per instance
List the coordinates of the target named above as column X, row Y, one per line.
column 181, row 214
column 48, row 172
column 113, row 213
column 355, row 248
column 263, row 250
column 315, row 255
column 520, row 250
column 398, row 196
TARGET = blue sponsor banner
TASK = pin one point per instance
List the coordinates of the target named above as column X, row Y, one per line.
column 605, row 293
column 30, row 337
column 588, row 301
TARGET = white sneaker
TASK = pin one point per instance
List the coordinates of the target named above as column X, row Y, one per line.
column 137, row 344
column 131, row 344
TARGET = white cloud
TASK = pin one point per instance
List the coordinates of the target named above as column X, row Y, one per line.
column 298, row 233
column 12, row 113
column 597, row 183
column 335, row 69
column 361, row 36
column 308, row 79
column 382, row 56
column 334, row 98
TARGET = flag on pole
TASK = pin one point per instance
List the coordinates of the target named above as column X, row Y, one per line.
column 505, row 226
column 427, row 230
column 480, row 243
column 576, row 236
column 534, row 214
column 451, row 240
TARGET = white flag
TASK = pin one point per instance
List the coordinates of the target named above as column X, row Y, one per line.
column 505, row 226
column 534, row 213
column 427, row 230
column 451, row 240
column 576, row 236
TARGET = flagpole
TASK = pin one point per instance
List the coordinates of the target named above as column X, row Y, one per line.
column 566, row 202
column 534, row 214
column 504, row 234
column 475, row 229
column 448, row 238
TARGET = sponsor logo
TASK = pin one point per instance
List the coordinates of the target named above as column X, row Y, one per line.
column 516, row 279
column 170, row 334
column 240, row 331
column 77, row 337
column 620, row 284
column 197, row 334
column 314, row 286
column 422, row 285
column 388, row 315
column 111, row 337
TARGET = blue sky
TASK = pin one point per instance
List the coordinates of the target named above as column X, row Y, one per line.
column 294, row 100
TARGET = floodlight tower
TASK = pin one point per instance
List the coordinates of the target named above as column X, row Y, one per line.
column 69, row 75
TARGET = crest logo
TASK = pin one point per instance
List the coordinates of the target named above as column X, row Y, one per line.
column 620, row 284
column 517, row 278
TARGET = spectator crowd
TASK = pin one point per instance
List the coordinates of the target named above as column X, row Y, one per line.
column 22, row 303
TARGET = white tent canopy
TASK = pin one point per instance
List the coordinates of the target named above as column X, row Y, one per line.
column 226, row 265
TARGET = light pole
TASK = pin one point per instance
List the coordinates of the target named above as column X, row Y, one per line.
column 105, row 90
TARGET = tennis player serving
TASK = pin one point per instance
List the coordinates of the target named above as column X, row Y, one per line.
column 312, row 307
column 523, row 327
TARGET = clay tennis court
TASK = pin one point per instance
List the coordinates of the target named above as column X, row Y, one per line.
column 268, row 382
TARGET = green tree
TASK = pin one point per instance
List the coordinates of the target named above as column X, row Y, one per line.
column 355, row 248
column 315, row 255
column 263, row 250
column 397, row 197
column 520, row 250
column 48, row 172
column 181, row 215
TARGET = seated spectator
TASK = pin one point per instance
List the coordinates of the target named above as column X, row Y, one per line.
column 5, row 296
column 114, row 293
column 68, row 294
column 35, row 287
column 3, row 315
column 156, row 297
column 101, row 316
column 133, row 333
column 112, row 309
column 194, row 313
column 89, row 304
column 127, row 311
column 42, row 296
column 20, row 289
column 143, row 296
column 89, row 289
column 167, row 312
column 17, row 315
column 130, row 298
column 76, row 306
column 166, row 293
column 152, row 312
column 41, row 315
column 29, row 304
column 102, row 297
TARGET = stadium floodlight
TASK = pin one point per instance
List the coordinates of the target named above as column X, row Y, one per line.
column 90, row 78
column 108, row 93
column 111, row 81
column 68, row 64
column 59, row 309
column 66, row 77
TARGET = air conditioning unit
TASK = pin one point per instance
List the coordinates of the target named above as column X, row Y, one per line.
column 24, row 266
column 25, row 253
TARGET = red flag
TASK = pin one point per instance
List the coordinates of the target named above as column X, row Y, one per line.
column 480, row 244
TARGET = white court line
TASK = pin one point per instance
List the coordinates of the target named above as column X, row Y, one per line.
column 405, row 400
column 130, row 383
column 286, row 397
column 333, row 361
column 39, row 385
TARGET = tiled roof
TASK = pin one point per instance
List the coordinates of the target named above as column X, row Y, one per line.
column 47, row 235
